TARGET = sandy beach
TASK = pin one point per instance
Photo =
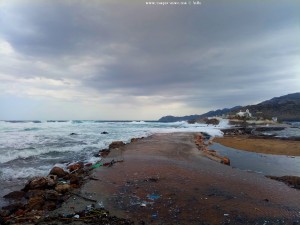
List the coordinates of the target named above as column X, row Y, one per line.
column 165, row 179
column 261, row 145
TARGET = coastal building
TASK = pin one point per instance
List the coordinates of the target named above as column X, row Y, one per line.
column 245, row 114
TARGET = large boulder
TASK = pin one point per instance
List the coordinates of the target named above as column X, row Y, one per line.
column 75, row 166
column 39, row 183
column 62, row 188
column 116, row 144
column 36, row 203
column 52, row 195
column 15, row 195
column 74, row 179
column 59, row 172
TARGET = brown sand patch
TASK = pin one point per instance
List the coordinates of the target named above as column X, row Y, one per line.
column 259, row 145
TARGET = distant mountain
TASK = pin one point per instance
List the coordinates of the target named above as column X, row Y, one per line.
column 218, row 112
column 285, row 108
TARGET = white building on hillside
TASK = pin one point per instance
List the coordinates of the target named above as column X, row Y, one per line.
column 246, row 114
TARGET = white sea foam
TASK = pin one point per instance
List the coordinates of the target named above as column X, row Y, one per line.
column 43, row 144
column 9, row 173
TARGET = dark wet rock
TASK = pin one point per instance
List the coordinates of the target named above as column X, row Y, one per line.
column 52, row 195
column 134, row 140
column 1, row 220
column 292, row 181
column 104, row 152
column 226, row 161
column 15, row 195
column 36, row 203
column 34, row 193
column 74, row 179
column 12, row 208
column 75, row 166
column 116, row 144
column 50, row 205
column 104, row 132
column 73, row 134
column 212, row 121
column 59, row 172
column 62, row 188
column 39, row 183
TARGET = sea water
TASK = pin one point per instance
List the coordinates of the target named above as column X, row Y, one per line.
column 32, row 148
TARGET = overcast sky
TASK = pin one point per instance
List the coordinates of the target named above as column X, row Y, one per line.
column 124, row 59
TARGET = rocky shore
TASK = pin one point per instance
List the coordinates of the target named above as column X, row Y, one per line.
column 162, row 179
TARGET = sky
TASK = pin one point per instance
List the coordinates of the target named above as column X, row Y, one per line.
column 132, row 60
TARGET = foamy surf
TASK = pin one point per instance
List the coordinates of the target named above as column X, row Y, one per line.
column 32, row 148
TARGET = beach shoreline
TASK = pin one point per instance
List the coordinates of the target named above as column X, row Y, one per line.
column 167, row 179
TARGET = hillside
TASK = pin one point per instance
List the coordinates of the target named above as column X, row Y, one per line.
column 285, row 108
column 218, row 112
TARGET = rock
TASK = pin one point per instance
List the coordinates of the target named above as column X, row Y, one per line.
column 73, row 134
column 104, row 152
column 226, row 161
column 15, row 195
column 34, row 193
column 116, row 144
column 75, row 166
column 133, row 140
column 39, row 183
column 74, row 179
column 36, row 203
column 49, row 206
column 212, row 121
column 52, row 195
column 62, row 188
column 10, row 209
column 292, row 181
column 19, row 212
column 104, row 132
column 59, row 172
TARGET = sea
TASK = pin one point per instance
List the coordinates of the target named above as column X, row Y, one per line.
column 32, row 148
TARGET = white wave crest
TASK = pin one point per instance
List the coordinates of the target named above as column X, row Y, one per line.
column 13, row 173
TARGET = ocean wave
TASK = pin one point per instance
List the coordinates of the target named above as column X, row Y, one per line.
column 22, row 121
column 9, row 173
column 31, row 152
column 31, row 129
column 137, row 122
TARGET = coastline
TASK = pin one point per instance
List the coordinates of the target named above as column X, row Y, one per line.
column 166, row 179
column 158, row 185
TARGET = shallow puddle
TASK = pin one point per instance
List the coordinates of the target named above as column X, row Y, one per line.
column 267, row 164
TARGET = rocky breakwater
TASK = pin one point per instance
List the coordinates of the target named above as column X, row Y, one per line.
column 42, row 194
column 203, row 142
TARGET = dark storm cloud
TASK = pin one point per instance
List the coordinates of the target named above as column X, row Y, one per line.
column 221, row 50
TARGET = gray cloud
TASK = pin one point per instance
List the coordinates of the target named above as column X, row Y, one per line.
column 219, row 54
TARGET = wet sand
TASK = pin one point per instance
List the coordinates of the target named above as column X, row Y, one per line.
column 259, row 145
column 165, row 179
